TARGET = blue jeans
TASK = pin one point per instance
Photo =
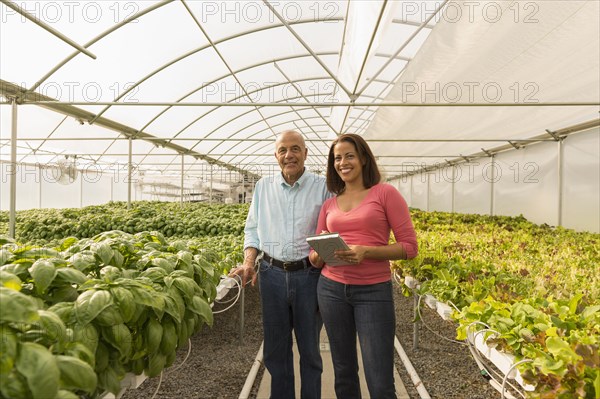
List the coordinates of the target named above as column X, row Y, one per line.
column 369, row 311
column 289, row 302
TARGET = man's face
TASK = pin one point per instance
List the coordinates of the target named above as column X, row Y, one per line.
column 291, row 153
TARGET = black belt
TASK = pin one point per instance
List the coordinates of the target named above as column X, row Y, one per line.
column 287, row 266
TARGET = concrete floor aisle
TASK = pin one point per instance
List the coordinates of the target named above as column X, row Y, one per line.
column 327, row 378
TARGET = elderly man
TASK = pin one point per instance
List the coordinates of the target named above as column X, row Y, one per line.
column 284, row 211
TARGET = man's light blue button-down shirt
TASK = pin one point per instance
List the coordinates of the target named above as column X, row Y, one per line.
column 282, row 216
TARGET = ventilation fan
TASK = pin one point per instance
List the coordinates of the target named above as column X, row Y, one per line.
column 67, row 170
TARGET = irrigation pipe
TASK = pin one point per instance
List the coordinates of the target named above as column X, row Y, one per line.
column 252, row 374
column 489, row 372
column 423, row 394
column 505, row 379
column 430, row 329
column 158, row 387
column 185, row 359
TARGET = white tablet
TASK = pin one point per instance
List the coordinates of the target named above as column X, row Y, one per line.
column 325, row 245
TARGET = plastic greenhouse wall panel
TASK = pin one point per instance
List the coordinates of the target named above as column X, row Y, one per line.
column 581, row 177
column 28, row 188
column 440, row 190
column 55, row 195
column 96, row 190
column 419, row 192
column 472, row 193
column 403, row 186
column 526, row 182
column 119, row 192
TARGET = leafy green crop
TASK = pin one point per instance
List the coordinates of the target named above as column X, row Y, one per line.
column 170, row 219
column 538, row 286
column 86, row 312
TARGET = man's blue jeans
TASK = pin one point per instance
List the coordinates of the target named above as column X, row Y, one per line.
column 289, row 301
column 369, row 311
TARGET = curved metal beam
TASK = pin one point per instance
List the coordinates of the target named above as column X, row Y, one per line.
column 306, row 46
column 202, row 116
column 97, row 38
column 48, row 28
column 199, row 49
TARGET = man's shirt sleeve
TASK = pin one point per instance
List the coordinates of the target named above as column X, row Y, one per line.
column 251, row 229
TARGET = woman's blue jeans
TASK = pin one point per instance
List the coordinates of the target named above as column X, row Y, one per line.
column 369, row 311
column 289, row 301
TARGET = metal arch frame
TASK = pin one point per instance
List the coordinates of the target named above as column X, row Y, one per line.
column 96, row 39
column 224, row 77
column 221, row 125
column 309, row 140
column 354, row 96
column 248, row 112
column 390, row 59
column 387, row 84
column 236, row 98
column 270, row 141
column 403, row 46
column 211, row 82
column 48, row 28
column 238, row 140
column 310, row 106
column 212, row 44
column 208, row 46
column 232, row 73
column 305, row 45
column 158, row 115
column 11, row 90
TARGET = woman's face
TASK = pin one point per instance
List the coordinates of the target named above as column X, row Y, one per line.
column 347, row 162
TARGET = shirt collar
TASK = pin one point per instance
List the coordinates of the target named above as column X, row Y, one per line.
column 299, row 182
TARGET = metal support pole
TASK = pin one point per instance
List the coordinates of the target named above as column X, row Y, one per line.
column 411, row 188
column 428, row 176
column 182, row 171
column 416, row 323
column 210, row 198
column 242, row 306
column 453, row 185
column 492, row 186
column 80, row 191
column 560, row 181
column 129, row 173
column 40, row 193
column 12, row 217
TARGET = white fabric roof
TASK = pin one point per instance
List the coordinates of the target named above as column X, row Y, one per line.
column 309, row 53
column 550, row 52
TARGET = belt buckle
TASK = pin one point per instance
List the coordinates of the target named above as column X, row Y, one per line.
column 286, row 265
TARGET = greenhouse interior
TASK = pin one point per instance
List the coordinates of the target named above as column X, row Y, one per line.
column 133, row 134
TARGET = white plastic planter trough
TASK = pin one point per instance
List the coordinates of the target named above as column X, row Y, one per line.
column 130, row 381
column 430, row 301
column 444, row 310
column 503, row 361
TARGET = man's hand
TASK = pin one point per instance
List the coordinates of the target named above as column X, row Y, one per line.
column 245, row 272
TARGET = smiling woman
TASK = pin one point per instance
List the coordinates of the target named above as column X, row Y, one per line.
column 358, row 296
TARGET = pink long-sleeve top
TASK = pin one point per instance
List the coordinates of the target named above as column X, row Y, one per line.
column 381, row 211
